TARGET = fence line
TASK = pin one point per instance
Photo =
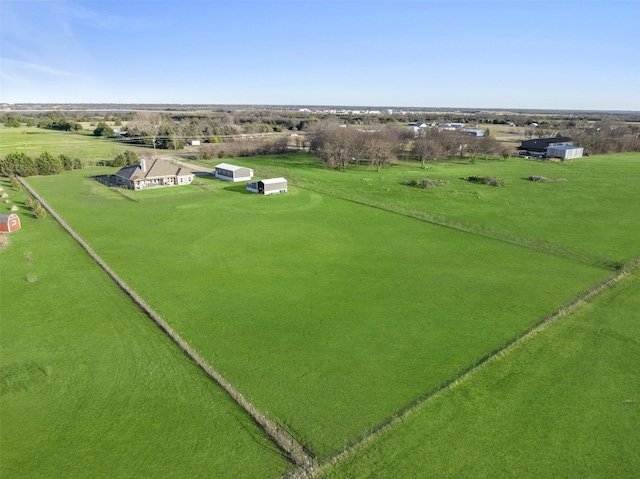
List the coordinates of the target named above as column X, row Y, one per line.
column 475, row 229
column 294, row 449
column 562, row 311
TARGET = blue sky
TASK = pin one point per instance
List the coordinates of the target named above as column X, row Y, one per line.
column 478, row 54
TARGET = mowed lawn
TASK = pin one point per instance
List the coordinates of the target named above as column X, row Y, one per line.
column 592, row 216
column 91, row 388
column 329, row 315
column 564, row 404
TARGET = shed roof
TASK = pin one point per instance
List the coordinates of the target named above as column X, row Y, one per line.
column 566, row 147
column 227, row 166
column 274, row 180
column 4, row 217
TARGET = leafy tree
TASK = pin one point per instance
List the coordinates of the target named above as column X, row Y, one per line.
column 67, row 163
column 102, row 129
column 38, row 210
column 11, row 122
column 127, row 158
column 17, row 163
column 48, row 164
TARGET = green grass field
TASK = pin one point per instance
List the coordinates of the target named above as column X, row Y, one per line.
column 337, row 305
column 591, row 217
column 83, row 145
column 91, row 388
column 328, row 315
column 563, row 404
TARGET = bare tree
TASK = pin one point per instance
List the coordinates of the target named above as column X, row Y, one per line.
column 381, row 147
column 335, row 144
column 428, row 147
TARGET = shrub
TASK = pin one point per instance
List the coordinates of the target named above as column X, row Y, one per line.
column 485, row 180
column 542, row 179
column 426, row 183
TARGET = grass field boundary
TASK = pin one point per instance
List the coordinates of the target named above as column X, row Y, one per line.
column 299, row 454
column 465, row 374
column 487, row 232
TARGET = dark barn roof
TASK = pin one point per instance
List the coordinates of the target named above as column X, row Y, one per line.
column 541, row 144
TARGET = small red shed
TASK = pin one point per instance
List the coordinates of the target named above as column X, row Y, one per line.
column 9, row 223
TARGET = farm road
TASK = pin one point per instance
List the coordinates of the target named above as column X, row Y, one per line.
column 195, row 168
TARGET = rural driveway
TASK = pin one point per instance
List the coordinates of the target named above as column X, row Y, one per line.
column 195, row 168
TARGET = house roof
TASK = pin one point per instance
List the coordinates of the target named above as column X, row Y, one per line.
column 271, row 181
column 227, row 166
column 157, row 169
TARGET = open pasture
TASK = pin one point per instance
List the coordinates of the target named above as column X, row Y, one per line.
column 91, row 388
column 82, row 145
column 592, row 217
column 329, row 315
column 563, row 404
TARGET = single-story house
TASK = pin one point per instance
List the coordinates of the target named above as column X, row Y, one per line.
column 537, row 147
column 268, row 187
column 564, row 152
column 156, row 173
column 9, row 222
column 228, row 172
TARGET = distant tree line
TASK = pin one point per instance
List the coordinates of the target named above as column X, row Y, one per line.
column 597, row 132
column 341, row 146
column 43, row 164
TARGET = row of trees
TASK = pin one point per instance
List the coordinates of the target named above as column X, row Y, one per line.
column 245, row 148
column 43, row 164
column 340, row 146
column 36, row 207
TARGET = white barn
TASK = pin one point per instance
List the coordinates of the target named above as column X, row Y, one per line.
column 225, row 171
column 268, row 187
column 564, row 152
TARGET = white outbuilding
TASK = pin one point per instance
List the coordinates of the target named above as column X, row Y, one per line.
column 234, row 173
column 564, row 152
column 268, row 187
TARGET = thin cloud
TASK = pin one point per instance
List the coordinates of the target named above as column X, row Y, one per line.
column 102, row 20
column 16, row 65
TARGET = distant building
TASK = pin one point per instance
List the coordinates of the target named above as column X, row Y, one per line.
column 537, row 148
column 225, row 171
column 268, row 187
column 473, row 131
column 451, row 126
column 9, row 222
column 153, row 174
